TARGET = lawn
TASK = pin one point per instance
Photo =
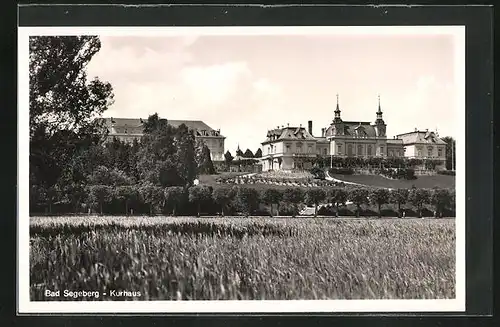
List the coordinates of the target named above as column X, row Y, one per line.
column 244, row 258
column 441, row 181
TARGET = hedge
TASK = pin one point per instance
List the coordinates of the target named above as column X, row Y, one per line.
column 241, row 198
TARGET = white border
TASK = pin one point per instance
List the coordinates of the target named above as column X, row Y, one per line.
column 302, row 306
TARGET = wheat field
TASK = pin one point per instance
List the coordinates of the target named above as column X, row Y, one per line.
column 257, row 258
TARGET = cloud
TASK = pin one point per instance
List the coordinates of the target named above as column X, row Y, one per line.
column 151, row 75
column 215, row 84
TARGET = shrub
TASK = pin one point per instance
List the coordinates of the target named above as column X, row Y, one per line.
column 317, row 172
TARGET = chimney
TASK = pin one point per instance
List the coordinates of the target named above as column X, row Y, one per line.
column 310, row 127
column 415, row 129
column 323, row 132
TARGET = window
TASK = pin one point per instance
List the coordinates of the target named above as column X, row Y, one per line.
column 429, row 151
column 391, row 153
column 309, row 149
column 440, row 152
column 369, row 150
column 288, row 148
column 339, row 149
column 324, row 150
column 268, row 149
column 360, row 149
column 349, row 150
column 382, row 150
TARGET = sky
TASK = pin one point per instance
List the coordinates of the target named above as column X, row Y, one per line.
column 245, row 85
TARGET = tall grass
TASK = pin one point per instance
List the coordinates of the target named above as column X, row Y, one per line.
column 251, row 259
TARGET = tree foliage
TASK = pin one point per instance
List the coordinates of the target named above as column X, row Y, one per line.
column 173, row 197
column 359, row 196
column 380, row 197
column 203, row 159
column 315, row 196
column 399, row 197
column 247, row 200
column 223, row 195
column 199, row 194
column 272, row 196
column 418, row 197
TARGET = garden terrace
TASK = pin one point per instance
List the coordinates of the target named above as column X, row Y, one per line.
column 441, row 181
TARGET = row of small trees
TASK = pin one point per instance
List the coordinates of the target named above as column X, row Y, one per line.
column 248, row 201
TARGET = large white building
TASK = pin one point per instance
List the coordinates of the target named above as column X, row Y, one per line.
column 285, row 147
column 128, row 129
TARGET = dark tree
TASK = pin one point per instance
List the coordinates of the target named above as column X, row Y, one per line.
column 272, row 196
column 359, row 196
column 204, row 162
column 166, row 155
column 441, row 199
column 294, row 196
column 64, row 106
column 379, row 197
column 228, row 158
column 419, row 197
column 451, row 153
column 315, row 196
column 247, row 200
column 173, row 197
column 399, row 197
column 199, row 194
column 223, row 196
column 248, row 154
column 258, row 153
column 337, row 196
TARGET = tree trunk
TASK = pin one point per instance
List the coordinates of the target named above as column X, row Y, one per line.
column 101, row 208
column 315, row 210
column 379, row 213
column 277, row 209
column 126, row 207
column 357, row 211
column 198, row 211
column 173, row 210
column 336, row 210
column 222, row 209
column 399, row 210
column 150, row 209
column 419, row 212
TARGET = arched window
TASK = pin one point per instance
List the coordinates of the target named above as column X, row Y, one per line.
column 360, row 150
column 369, row 150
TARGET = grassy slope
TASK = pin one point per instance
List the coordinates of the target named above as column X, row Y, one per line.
column 222, row 259
column 379, row 181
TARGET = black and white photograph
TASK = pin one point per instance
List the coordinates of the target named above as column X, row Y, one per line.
column 242, row 169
